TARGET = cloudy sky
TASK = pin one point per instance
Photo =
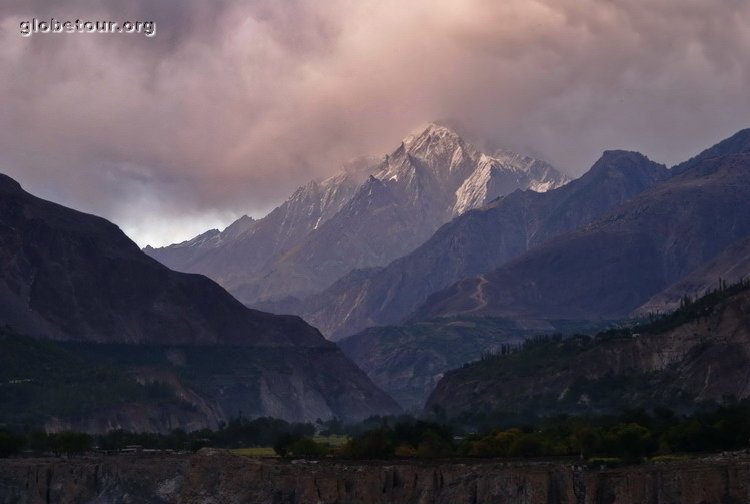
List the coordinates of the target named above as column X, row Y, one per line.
column 232, row 104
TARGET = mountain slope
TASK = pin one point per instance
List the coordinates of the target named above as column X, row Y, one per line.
column 364, row 217
column 73, row 277
column 609, row 268
column 729, row 267
column 476, row 242
column 407, row 361
column 701, row 353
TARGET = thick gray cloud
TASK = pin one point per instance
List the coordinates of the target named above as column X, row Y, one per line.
column 234, row 103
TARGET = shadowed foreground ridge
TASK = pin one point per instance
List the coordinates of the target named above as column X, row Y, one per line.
column 229, row 479
column 76, row 279
column 67, row 275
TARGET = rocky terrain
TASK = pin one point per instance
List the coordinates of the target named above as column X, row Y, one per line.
column 699, row 354
column 217, row 477
column 477, row 242
column 371, row 213
column 77, row 279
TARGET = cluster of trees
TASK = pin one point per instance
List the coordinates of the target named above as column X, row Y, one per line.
column 694, row 308
column 629, row 437
column 414, row 438
column 235, row 434
column 58, row 443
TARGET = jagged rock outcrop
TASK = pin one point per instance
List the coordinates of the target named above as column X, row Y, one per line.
column 213, row 476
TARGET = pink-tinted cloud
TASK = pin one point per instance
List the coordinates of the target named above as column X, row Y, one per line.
column 233, row 103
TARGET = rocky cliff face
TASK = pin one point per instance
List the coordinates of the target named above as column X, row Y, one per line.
column 216, row 477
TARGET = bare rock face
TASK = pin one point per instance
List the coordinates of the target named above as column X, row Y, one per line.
column 216, row 477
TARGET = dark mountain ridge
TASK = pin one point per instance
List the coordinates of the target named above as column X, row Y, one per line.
column 608, row 268
column 74, row 278
column 735, row 144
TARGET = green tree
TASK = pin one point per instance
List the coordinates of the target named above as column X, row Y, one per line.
column 373, row 444
column 72, row 443
column 10, row 444
column 307, row 448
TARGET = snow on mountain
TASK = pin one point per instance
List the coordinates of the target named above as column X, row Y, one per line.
column 431, row 177
column 501, row 174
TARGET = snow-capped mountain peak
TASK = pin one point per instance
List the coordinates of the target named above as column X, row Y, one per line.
column 371, row 212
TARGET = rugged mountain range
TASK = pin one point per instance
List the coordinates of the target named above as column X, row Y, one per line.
column 72, row 277
column 407, row 360
column 700, row 353
column 610, row 267
column 477, row 242
column 372, row 213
